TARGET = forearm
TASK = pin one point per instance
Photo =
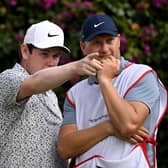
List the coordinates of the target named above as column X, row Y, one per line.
column 51, row 78
column 120, row 111
column 141, row 134
column 77, row 142
column 46, row 79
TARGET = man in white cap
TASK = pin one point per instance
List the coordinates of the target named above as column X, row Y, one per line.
column 103, row 114
column 29, row 113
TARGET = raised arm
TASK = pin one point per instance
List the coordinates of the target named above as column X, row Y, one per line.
column 130, row 113
column 53, row 77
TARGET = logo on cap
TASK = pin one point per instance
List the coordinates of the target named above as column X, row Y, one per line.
column 52, row 35
column 98, row 24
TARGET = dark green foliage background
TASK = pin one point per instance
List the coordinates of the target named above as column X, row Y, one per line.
column 142, row 24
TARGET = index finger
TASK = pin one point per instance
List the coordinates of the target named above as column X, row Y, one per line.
column 144, row 130
column 93, row 55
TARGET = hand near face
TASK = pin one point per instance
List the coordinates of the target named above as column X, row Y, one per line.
column 89, row 65
column 111, row 67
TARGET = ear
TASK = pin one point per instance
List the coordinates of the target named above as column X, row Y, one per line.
column 118, row 40
column 24, row 51
column 82, row 46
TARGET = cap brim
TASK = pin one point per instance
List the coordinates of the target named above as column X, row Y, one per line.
column 64, row 49
column 93, row 35
column 51, row 46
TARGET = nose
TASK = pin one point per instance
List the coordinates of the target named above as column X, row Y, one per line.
column 103, row 49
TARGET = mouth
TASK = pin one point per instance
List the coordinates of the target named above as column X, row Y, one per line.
column 104, row 56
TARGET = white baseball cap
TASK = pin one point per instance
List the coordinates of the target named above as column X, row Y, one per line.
column 45, row 34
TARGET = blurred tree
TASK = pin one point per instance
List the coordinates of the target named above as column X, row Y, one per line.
column 143, row 27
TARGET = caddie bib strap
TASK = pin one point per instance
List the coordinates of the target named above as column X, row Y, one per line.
column 86, row 160
column 143, row 147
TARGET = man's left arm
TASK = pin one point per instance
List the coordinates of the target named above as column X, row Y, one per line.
column 126, row 116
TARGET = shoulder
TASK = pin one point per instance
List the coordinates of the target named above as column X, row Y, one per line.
column 7, row 76
column 15, row 72
column 139, row 67
column 145, row 89
column 144, row 75
column 11, row 79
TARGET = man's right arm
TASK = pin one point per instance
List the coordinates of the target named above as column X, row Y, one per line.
column 73, row 142
column 53, row 77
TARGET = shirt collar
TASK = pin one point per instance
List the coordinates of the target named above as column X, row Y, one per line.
column 20, row 68
column 92, row 80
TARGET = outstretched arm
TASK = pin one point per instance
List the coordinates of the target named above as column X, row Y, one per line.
column 53, row 77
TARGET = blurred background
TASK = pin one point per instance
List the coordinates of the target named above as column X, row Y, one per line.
column 143, row 25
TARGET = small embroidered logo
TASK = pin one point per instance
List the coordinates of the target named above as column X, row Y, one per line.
column 98, row 24
column 52, row 35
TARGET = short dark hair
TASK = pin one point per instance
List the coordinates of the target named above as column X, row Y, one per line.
column 30, row 48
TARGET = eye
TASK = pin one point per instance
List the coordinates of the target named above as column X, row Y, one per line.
column 56, row 56
column 110, row 40
column 96, row 42
column 44, row 54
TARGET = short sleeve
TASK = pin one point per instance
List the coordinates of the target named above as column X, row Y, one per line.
column 146, row 91
column 10, row 85
column 69, row 113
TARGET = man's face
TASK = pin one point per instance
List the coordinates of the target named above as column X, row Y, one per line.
column 105, row 45
column 40, row 58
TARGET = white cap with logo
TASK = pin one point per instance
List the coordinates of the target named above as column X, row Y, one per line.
column 45, row 34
